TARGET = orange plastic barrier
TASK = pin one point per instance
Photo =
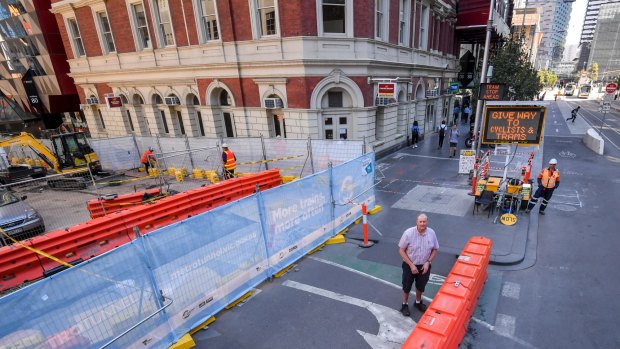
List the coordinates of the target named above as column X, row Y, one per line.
column 100, row 207
column 444, row 323
column 86, row 240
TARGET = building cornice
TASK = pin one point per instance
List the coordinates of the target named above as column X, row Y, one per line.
column 65, row 6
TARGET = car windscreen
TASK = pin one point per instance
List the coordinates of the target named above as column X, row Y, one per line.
column 7, row 198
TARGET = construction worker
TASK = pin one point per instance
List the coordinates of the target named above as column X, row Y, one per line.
column 548, row 181
column 147, row 159
column 229, row 162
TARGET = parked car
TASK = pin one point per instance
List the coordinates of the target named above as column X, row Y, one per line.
column 15, row 173
column 18, row 219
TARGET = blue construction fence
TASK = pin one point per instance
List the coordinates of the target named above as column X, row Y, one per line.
column 149, row 293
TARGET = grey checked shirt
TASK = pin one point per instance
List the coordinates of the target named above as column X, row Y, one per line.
column 419, row 247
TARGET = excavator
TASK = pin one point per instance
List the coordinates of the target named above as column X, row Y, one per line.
column 71, row 153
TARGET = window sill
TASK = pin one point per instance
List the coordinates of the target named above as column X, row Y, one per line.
column 378, row 143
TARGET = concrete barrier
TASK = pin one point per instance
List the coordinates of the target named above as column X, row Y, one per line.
column 594, row 141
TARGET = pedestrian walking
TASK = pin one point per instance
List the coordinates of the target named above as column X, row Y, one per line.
column 418, row 247
column 229, row 162
column 415, row 133
column 442, row 133
column 148, row 159
column 466, row 112
column 548, row 181
column 456, row 111
column 573, row 114
column 454, row 140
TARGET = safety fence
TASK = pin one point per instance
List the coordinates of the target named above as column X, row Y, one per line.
column 92, row 238
column 152, row 290
column 445, row 321
column 299, row 157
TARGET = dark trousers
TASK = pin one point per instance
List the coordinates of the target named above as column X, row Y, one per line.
column 572, row 118
column 414, row 138
column 543, row 192
column 441, row 140
column 229, row 173
column 146, row 167
column 456, row 117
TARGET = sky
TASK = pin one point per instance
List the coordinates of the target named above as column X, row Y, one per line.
column 576, row 22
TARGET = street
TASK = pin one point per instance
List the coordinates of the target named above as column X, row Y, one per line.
column 557, row 294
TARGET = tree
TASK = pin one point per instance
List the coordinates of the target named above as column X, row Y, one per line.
column 511, row 66
column 593, row 71
column 547, row 78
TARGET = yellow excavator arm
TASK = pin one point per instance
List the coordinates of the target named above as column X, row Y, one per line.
column 27, row 140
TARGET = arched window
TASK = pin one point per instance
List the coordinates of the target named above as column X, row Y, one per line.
column 157, row 99
column 225, row 98
column 137, row 100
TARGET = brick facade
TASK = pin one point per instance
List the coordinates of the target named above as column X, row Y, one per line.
column 364, row 13
column 297, row 18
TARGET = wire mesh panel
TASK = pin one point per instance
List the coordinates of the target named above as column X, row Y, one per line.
column 298, row 218
column 35, row 206
column 208, row 261
column 336, row 152
column 87, row 306
column 289, row 155
column 249, row 154
column 117, row 153
column 353, row 183
column 206, row 153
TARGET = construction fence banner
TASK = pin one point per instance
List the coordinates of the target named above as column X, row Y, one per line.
column 148, row 293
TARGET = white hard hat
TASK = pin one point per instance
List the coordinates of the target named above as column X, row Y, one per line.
column 151, row 148
column 553, row 162
column 224, row 145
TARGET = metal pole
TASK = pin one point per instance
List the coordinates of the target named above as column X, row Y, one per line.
column 135, row 144
column 483, row 76
column 310, row 153
column 189, row 150
column 262, row 143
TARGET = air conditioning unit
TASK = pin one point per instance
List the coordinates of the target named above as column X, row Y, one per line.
column 172, row 101
column 384, row 101
column 432, row 93
column 92, row 101
column 273, row 103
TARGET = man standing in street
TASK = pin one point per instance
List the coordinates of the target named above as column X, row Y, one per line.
column 466, row 113
column 415, row 133
column 548, row 181
column 229, row 161
column 418, row 247
column 456, row 111
column 442, row 133
column 573, row 114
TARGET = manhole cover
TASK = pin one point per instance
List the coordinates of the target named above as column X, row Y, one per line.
column 565, row 208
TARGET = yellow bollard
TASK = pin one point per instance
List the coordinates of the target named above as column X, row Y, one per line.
column 287, row 179
column 172, row 171
column 153, row 172
column 198, row 173
column 212, row 176
column 183, row 171
column 179, row 176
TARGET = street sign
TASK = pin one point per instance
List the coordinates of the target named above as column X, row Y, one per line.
column 492, row 92
column 508, row 219
column 508, row 124
column 605, row 107
column 611, row 87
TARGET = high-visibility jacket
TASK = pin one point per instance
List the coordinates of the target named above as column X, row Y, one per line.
column 146, row 156
column 548, row 179
column 230, row 163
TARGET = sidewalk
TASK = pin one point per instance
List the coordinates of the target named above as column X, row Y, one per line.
column 424, row 179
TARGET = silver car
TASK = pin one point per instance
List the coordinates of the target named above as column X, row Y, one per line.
column 18, row 219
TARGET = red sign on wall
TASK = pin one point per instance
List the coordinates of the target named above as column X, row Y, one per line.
column 114, row 102
column 387, row 90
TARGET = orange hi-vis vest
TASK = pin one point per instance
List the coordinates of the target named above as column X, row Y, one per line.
column 548, row 178
column 146, row 156
column 230, row 160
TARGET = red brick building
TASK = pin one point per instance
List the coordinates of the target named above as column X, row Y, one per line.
column 238, row 68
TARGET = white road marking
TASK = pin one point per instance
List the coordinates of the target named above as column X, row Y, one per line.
column 511, row 290
column 505, row 327
column 377, row 230
column 556, row 130
column 394, row 328
column 434, row 279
